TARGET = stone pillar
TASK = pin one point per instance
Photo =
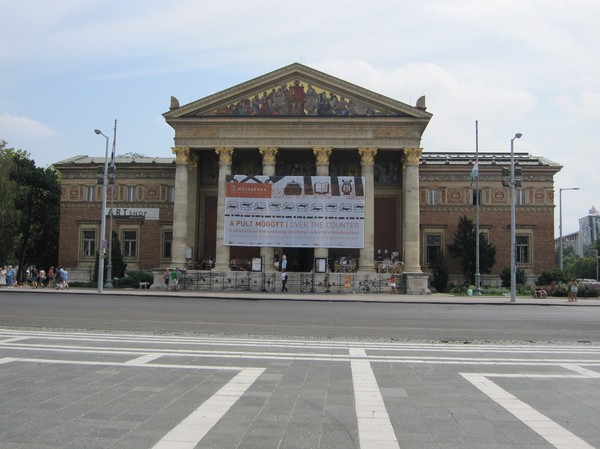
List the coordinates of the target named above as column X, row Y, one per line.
column 180, row 206
column 222, row 257
column 268, row 154
column 367, row 253
column 322, row 155
column 416, row 280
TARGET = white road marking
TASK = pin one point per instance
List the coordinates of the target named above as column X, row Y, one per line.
column 188, row 433
column 143, row 359
column 375, row 430
column 582, row 370
column 548, row 429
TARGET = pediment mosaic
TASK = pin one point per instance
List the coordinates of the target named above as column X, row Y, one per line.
column 299, row 98
column 293, row 91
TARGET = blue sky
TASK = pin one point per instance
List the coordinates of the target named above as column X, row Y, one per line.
column 529, row 66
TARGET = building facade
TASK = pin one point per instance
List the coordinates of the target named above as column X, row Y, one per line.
column 299, row 123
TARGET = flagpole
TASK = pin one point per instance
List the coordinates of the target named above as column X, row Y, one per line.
column 108, row 283
column 477, row 274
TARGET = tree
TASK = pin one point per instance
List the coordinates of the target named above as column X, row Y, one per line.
column 36, row 195
column 9, row 214
column 440, row 273
column 465, row 246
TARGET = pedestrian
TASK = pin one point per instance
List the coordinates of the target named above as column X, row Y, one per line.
column 65, row 278
column 284, row 279
column 572, row 286
column 173, row 281
column 41, row 278
column 3, row 276
column 393, row 284
column 167, row 277
column 51, row 276
column 10, row 277
column 283, row 263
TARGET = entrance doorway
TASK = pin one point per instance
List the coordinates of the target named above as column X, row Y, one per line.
column 299, row 259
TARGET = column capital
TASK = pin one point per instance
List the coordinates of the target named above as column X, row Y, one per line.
column 411, row 156
column 268, row 154
column 182, row 155
column 322, row 154
column 225, row 155
column 367, row 155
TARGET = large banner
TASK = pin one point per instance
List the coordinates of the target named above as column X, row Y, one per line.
column 295, row 211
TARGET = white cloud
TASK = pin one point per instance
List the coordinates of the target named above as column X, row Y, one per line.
column 14, row 126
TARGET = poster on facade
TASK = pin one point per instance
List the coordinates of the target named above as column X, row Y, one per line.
column 294, row 211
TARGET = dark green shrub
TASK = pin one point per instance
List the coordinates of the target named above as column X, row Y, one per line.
column 133, row 278
column 505, row 276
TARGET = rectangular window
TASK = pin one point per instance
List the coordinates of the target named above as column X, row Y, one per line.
column 433, row 197
column 434, row 247
column 476, row 197
column 130, row 244
column 167, row 244
column 522, row 249
column 171, row 194
column 131, row 191
column 88, row 243
column 520, row 197
column 90, row 193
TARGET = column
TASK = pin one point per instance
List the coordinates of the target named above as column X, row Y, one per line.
column 322, row 155
column 222, row 257
column 268, row 159
column 416, row 280
column 367, row 253
column 180, row 206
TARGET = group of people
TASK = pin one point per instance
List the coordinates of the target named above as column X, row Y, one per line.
column 35, row 278
column 172, row 278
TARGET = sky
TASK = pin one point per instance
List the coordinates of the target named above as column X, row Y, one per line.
column 68, row 67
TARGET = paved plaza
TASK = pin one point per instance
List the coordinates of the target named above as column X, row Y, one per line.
column 63, row 389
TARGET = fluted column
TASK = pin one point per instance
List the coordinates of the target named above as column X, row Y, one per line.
column 367, row 253
column 222, row 256
column 322, row 155
column 180, row 206
column 416, row 281
column 268, row 159
column 410, row 161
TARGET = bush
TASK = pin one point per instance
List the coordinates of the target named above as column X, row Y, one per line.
column 134, row 277
column 505, row 276
column 546, row 277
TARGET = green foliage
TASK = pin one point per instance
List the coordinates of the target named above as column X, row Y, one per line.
column 546, row 277
column 134, row 277
column 440, row 273
column 118, row 265
column 520, row 275
column 31, row 197
column 464, row 249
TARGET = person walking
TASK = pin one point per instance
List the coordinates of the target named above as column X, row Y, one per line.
column 10, row 277
column 573, row 284
column 393, row 284
column 3, row 276
column 284, row 279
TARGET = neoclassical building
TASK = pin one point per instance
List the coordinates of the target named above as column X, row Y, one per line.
column 302, row 164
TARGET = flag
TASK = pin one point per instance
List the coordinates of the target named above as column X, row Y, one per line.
column 474, row 172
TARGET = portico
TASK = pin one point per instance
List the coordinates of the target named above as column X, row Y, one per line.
column 297, row 121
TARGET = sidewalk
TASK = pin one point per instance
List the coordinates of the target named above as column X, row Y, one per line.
column 437, row 298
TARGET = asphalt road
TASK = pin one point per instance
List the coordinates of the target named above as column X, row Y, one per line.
column 321, row 319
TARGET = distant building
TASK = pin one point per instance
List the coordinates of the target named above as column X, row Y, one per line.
column 346, row 155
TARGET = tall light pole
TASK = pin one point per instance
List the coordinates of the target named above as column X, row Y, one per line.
column 108, row 283
column 560, row 239
column 103, row 217
column 513, row 222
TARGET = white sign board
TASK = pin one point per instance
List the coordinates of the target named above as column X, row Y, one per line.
column 138, row 213
column 294, row 211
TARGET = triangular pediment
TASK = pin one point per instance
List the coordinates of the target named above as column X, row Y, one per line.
column 296, row 90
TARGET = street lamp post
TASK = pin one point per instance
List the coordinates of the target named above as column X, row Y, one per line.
column 103, row 217
column 560, row 239
column 513, row 222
